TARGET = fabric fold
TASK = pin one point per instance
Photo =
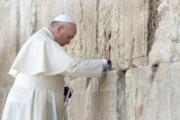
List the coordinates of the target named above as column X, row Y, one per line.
column 41, row 54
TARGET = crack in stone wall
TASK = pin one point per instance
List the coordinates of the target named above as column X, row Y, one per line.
column 18, row 27
column 166, row 45
column 152, row 23
column 97, row 25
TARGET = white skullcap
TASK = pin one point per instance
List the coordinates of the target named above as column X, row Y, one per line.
column 64, row 18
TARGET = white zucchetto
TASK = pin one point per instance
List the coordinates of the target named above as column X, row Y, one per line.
column 64, row 18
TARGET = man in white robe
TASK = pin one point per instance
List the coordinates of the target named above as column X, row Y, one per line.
column 39, row 70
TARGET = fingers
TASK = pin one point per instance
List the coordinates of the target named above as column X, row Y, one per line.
column 107, row 51
column 108, row 47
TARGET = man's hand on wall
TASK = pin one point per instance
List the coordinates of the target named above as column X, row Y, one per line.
column 108, row 57
column 107, row 52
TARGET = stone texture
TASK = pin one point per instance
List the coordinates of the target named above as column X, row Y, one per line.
column 98, row 99
column 167, row 38
column 126, row 21
column 34, row 14
column 153, row 93
column 122, row 23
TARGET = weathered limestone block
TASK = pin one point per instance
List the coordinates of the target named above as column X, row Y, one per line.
column 8, row 37
column 123, row 23
column 85, row 15
column 126, row 21
column 35, row 14
column 8, row 33
column 98, row 99
column 138, row 86
column 167, row 39
column 153, row 94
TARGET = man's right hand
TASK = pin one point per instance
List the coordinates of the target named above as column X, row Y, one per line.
column 108, row 57
column 107, row 52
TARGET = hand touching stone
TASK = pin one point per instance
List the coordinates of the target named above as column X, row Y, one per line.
column 108, row 52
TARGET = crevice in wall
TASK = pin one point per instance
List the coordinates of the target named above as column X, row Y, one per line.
column 18, row 28
column 97, row 24
column 35, row 15
column 154, row 69
column 81, row 8
column 152, row 23
column 81, row 26
column 88, row 80
column 131, row 53
column 107, row 34
column 121, row 108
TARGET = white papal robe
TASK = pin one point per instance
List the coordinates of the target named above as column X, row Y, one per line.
column 39, row 70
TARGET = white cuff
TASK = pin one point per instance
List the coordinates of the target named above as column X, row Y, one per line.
column 104, row 61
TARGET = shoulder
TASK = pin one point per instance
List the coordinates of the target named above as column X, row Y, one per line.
column 40, row 37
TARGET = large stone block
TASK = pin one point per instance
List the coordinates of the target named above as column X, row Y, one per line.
column 126, row 23
column 85, row 14
column 153, row 94
column 122, row 23
column 98, row 99
column 167, row 38
column 35, row 14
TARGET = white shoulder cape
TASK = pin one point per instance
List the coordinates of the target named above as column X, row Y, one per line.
column 41, row 54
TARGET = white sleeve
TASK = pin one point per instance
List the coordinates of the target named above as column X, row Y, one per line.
column 87, row 68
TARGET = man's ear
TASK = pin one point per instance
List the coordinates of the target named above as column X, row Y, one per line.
column 60, row 28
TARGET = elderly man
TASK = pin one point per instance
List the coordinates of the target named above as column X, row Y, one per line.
column 39, row 70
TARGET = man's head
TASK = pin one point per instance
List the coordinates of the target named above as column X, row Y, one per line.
column 63, row 29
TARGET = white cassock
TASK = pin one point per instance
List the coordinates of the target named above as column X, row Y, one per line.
column 39, row 70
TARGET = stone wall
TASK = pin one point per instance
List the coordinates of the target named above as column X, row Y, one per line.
column 152, row 93
column 98, row 99
column 144, row 35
